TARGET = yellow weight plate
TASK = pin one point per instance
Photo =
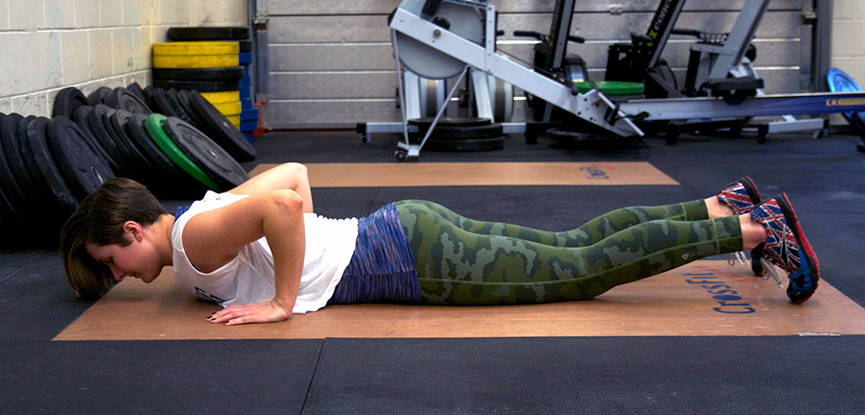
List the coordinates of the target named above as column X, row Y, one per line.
column 195, row 62
column 221, row 97
column 195, row 48
column 229, row 108
column 234, row 120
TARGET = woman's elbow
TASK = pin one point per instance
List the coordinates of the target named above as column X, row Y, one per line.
column 287, row 201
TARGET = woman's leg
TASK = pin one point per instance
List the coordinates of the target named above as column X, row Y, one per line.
column 589, row 233
column 456, row 266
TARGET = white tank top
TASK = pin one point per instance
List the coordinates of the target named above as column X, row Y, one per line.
column 248, row 278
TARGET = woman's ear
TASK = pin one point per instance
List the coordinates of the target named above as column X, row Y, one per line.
column 134, row 229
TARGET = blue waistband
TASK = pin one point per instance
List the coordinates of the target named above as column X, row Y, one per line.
column 382, row 268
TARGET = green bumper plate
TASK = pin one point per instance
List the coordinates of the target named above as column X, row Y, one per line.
column 153, row 125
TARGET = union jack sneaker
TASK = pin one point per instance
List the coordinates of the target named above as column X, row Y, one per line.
column 741, row 196
column 787, row 247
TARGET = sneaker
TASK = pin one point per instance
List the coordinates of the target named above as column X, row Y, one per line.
column 787, row 247
column 741, row 196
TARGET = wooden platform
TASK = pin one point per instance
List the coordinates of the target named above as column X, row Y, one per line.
column 706, row 298
column 481, row 174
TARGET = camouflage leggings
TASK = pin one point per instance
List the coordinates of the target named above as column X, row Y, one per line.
column 468, row 262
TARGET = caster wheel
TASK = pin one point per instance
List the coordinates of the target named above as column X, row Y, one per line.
column 400, row 155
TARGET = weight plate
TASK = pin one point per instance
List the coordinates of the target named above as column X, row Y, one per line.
column 234, row 120
column 95, row 120
column 208, row 33
column 155, row 176
column 154, row 126
column 18, row 205
column 48, row 177
column 142, row 170
column 171, row 95
column 181, row 181
column 245, row 46
column 67, row 101
column 81, row 168
column 95, row 97
column 219, row 128
column 203, row 86
column 202, row 74
column 10, row 222
column 206, row 154
column 123, row 99
column 229, row 108
column 148, row 99
column 169, row 109
column 221, row 97
column 209, row 48
column 18, row 166
column 136, row 90
column 80, row 119
column 477, row 144
column 196, row 61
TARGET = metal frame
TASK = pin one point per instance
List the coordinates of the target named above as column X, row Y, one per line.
column 594, row 106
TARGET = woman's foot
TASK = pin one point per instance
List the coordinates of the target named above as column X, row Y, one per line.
column 787, row 247
column 740, row 197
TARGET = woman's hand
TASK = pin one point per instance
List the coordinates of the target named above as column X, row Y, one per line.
column 263, row 312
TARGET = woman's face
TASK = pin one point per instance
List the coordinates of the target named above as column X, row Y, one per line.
column 139, row 259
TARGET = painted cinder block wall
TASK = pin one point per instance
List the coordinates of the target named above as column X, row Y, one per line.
column 848, row 30
column 46, row 45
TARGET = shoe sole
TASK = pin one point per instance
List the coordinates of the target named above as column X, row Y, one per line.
column 751, row 189
column 811, row 258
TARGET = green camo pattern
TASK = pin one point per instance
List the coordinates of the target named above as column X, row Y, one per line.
column 462, row 261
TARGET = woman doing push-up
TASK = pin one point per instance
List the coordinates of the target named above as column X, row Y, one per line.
column 260, row 252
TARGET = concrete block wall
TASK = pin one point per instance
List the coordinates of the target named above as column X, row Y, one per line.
column 848, row 30
column 47, row 45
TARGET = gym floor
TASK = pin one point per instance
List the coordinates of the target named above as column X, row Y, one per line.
column 659, row 374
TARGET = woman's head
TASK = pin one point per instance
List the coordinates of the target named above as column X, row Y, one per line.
column 100, row 220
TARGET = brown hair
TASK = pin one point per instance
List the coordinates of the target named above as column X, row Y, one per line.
column 99, row 220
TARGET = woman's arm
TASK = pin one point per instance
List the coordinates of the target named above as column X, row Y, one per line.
column 290, row 176
column 214, row 237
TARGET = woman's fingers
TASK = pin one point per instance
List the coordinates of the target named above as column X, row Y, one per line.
column 249, row 313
